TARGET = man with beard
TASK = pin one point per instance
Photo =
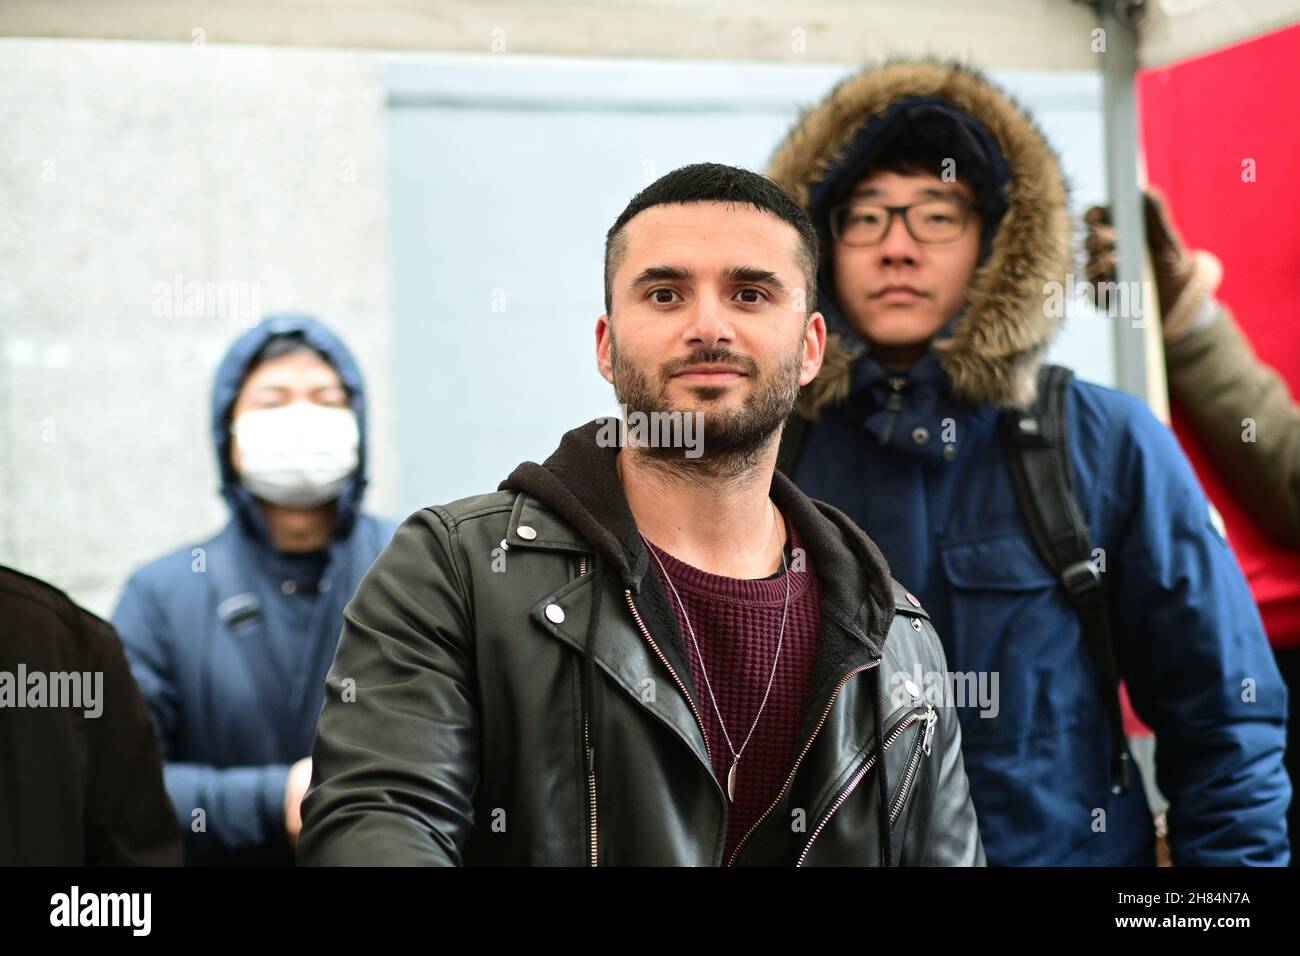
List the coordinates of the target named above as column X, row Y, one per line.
column 638, row 655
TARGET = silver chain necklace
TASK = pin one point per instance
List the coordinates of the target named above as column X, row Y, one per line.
column 735, row 754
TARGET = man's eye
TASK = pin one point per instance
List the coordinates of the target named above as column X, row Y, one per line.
column 663, row 296
column 752, row 296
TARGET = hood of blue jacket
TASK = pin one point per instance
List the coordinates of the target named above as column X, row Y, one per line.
column 225, row 390
column 991, row 351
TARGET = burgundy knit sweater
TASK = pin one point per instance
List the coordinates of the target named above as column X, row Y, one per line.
column 737, row 623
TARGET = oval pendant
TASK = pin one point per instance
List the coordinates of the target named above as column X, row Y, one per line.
column 731, row 782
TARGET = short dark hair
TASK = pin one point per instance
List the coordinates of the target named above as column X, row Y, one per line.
column 289, row 343
column 932, row 145
column 278, row 346
column 714, row 182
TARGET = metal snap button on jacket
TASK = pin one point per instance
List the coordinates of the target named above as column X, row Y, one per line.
column 920, row 434
column 555, row 614
column 525, row 532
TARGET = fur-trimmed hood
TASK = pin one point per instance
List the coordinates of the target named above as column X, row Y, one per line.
column 992, row 352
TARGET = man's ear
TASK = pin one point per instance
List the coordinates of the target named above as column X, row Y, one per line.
column 814, row 348
column 604, row 348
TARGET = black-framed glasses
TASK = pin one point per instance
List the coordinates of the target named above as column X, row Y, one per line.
column 859, row 223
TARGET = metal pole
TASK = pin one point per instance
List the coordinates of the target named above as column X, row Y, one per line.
column 1119, row 104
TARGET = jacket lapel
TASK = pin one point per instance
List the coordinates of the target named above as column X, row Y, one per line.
column 623, row 653
column 574, row 504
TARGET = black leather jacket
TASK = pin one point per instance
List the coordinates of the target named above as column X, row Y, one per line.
column 488, row 704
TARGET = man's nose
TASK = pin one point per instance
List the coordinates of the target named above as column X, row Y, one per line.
column 898, row 246
column 709, row 323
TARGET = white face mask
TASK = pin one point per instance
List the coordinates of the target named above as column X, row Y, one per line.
column 300, row 455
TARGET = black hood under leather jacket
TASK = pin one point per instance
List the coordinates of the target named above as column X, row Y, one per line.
column 488, row 703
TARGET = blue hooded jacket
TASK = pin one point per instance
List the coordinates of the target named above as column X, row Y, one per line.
column 235, row 699
column 914, row 457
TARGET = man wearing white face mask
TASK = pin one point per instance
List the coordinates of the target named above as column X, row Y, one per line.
column 230, row 638
column 298, row 456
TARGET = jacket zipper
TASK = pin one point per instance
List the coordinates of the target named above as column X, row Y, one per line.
column 636, row 616
column 894, row 405
column 902, row 725
column 893, row 735
column 591, row 787
column 922, row 746
column 591, row 762
column 799, row 759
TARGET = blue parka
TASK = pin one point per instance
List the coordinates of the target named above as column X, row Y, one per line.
column 914, row 457
column 235, row 698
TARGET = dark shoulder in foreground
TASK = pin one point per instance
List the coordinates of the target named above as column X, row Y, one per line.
column 29, row 605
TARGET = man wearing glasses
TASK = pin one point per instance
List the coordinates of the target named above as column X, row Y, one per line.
column 934, row 425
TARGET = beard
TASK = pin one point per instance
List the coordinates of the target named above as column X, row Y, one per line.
column 733, row 438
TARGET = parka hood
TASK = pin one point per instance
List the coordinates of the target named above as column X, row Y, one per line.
column 992, row 350
column 230, row 377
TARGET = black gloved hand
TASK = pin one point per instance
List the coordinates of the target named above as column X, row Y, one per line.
column 1174, row 268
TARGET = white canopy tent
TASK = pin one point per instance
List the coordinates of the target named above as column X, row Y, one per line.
column 998, row 34
column 1006, row 34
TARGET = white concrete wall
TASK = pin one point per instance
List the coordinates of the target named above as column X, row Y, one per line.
column 122, row 166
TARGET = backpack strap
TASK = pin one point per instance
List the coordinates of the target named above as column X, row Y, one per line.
column 239, row 609
column 1037, row 452
column 238, row 606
